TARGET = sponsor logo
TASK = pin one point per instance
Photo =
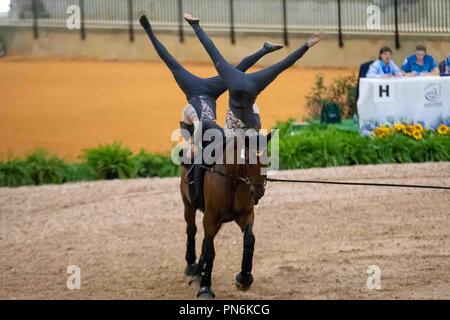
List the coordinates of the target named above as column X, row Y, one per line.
column 432, row 94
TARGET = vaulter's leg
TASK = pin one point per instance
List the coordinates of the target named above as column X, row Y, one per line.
column 244, row 279
column 185, row 79
column 264, row 77
column 216, row 85
column 250, row 60
column 229, row 73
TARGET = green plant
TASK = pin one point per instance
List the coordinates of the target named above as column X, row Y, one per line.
column 14, row 173
column 317, row 95
column 322, row 146
column 79, row 172
column 152, row 165
column 44, row 168
column 315, row 145
column 342, row 91
column 111, row 161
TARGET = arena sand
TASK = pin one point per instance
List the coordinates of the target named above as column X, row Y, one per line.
column 67, row 106
column 312, row 241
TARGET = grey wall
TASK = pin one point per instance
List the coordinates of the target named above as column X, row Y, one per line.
column 114, row 44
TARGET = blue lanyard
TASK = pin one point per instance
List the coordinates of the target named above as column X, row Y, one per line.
column 386, row 68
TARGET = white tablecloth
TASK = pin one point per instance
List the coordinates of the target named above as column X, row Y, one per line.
column 424, row 100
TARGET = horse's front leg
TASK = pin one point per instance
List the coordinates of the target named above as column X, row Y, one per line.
column 211, row 227
column 244, row 279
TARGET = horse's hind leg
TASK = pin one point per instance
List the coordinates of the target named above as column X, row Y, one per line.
column 211, row 228
column 191, row 230
column 244, row 279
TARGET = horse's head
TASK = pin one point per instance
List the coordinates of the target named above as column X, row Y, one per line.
column 256, row 159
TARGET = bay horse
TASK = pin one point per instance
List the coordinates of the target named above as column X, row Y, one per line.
column 230, row 194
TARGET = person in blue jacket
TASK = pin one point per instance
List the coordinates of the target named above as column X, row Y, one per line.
column 384, row 67
column 447, row 65
column 420, row 63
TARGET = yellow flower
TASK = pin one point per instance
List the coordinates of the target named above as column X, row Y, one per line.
column 382, row 131
column 408, row 130
column 416, row 134
column 443, row 129
column 419, row 127
column 399, row 127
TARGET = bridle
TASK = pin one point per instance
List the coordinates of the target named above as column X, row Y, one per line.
column 245, row 179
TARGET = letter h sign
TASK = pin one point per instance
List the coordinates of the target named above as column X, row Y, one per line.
column 383, row 92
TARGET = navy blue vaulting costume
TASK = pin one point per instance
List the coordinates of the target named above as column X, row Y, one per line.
column 244, row 88
column 195, row 88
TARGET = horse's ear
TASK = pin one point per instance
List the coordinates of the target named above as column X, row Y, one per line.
column 269, row 136
column 246, row 141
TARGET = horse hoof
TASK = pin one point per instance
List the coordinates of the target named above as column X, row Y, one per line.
column 243, row 281
column 205, row 293
column 195, row 280
column 190, row 269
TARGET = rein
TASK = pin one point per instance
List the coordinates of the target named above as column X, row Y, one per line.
column 248, row 181
column 361, row 184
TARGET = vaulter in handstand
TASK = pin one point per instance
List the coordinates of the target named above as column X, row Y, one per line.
column 245, row 87
column 201, row 93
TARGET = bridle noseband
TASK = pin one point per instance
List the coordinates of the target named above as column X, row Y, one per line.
column 245, row 179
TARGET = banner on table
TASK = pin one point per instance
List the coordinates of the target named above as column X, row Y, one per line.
column 424, row 100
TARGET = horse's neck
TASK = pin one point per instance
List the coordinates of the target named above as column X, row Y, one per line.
column 235, row 168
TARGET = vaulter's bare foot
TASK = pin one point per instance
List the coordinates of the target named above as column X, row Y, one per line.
column 271, row 47
column 314, row 39
column 190, row 19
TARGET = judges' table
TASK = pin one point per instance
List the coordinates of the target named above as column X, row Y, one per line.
column 424, row 100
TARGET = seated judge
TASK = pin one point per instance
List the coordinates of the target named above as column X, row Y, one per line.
column 420, row 63
column 447, row 65
column 384, row 67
